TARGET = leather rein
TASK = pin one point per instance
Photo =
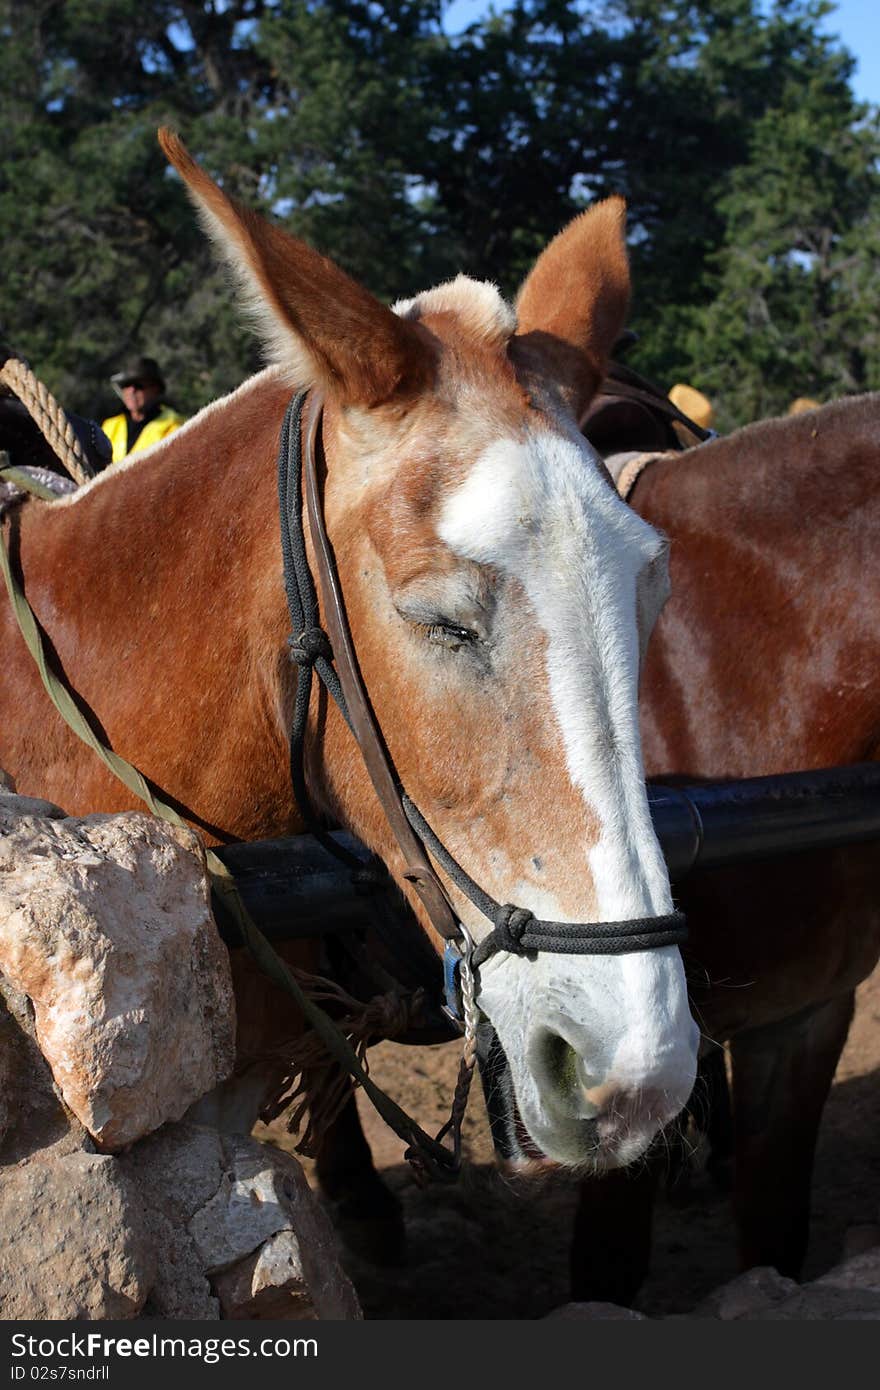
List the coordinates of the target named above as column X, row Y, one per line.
column 301, row 467
column 625, row 384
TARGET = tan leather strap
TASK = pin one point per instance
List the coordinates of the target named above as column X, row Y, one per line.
column 419, row 870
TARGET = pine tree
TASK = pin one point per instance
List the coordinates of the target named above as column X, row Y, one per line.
column 409, row 155
column 792, row 312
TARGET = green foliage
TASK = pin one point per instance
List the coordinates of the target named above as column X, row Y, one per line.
column 101, row 251
column 742, row 124
column 791, row 311
column 410, row 155
column 344, row 142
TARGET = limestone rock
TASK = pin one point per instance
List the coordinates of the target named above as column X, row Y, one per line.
column 74, row 1240
column 266, row 1241
column 595, row 1312
column 848, row 1292
column 270, row 1283
column 247, row 1208
column 239, row 1232
column 752, row 1292
column 181, row 1289
column 824, row 1302
column 32, row 1113
column 6, row 1074
column 105, row 924
column 100, row 1236
column 26, row 805
column 177, row 1171
column 860, row 1271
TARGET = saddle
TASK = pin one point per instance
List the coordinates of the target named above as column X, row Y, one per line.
column 632, row 421
column 22, row 439
column 28, row 460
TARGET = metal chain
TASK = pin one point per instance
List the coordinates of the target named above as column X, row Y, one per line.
column 47, row 416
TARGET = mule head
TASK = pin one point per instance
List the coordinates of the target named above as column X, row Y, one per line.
column 498, row 592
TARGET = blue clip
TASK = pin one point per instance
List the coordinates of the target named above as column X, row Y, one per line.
column 451, row 985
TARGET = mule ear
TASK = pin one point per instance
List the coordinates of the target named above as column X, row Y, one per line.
column 572, row 306
column 326, row 329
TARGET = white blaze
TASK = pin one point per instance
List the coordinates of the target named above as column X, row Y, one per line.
column 538, row 510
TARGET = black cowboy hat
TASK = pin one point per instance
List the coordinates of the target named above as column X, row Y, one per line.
column 139, row 369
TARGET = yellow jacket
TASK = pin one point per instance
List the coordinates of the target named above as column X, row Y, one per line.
column 116, row 429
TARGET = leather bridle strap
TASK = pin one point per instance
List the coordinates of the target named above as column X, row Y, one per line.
column 419, row 871
column 514, row 929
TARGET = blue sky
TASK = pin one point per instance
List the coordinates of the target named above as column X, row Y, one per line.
column 855, row 22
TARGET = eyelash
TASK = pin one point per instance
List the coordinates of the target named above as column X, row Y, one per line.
column 448, row 635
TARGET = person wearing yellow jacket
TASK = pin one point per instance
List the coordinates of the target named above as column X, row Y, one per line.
column 145, row 420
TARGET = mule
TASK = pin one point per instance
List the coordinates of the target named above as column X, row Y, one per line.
column 499, row 593
column 765, row 660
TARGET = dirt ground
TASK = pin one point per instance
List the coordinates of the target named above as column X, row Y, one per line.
column 489, row 1248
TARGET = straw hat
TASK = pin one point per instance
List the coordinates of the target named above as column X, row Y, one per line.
column 693, row 404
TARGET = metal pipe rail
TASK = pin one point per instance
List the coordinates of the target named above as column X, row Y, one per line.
column 701, row 825
column 295, row 888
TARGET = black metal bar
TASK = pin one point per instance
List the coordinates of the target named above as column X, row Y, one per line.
column 294, row 888
column 704, row 825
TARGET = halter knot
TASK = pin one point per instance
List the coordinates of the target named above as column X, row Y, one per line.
column 511, row 924
column 311, row 644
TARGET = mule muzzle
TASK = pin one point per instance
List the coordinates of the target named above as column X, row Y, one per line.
column 610, row 1125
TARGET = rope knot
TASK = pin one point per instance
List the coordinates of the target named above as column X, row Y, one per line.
column 311, row 644
column 389, row 1015
column 511, row 924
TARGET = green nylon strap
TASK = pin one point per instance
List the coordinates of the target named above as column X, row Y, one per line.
column 441, row 1160
column 10, row 474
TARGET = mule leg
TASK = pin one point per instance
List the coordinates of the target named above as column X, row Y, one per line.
column 781, row 1078
column 366, row 1214
column 611, row 1239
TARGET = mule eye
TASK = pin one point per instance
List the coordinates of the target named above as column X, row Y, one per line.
column 449, row 635
column 430, row 624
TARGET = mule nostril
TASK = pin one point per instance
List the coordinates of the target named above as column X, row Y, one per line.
column 566, row 1075
column 587, row 1080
